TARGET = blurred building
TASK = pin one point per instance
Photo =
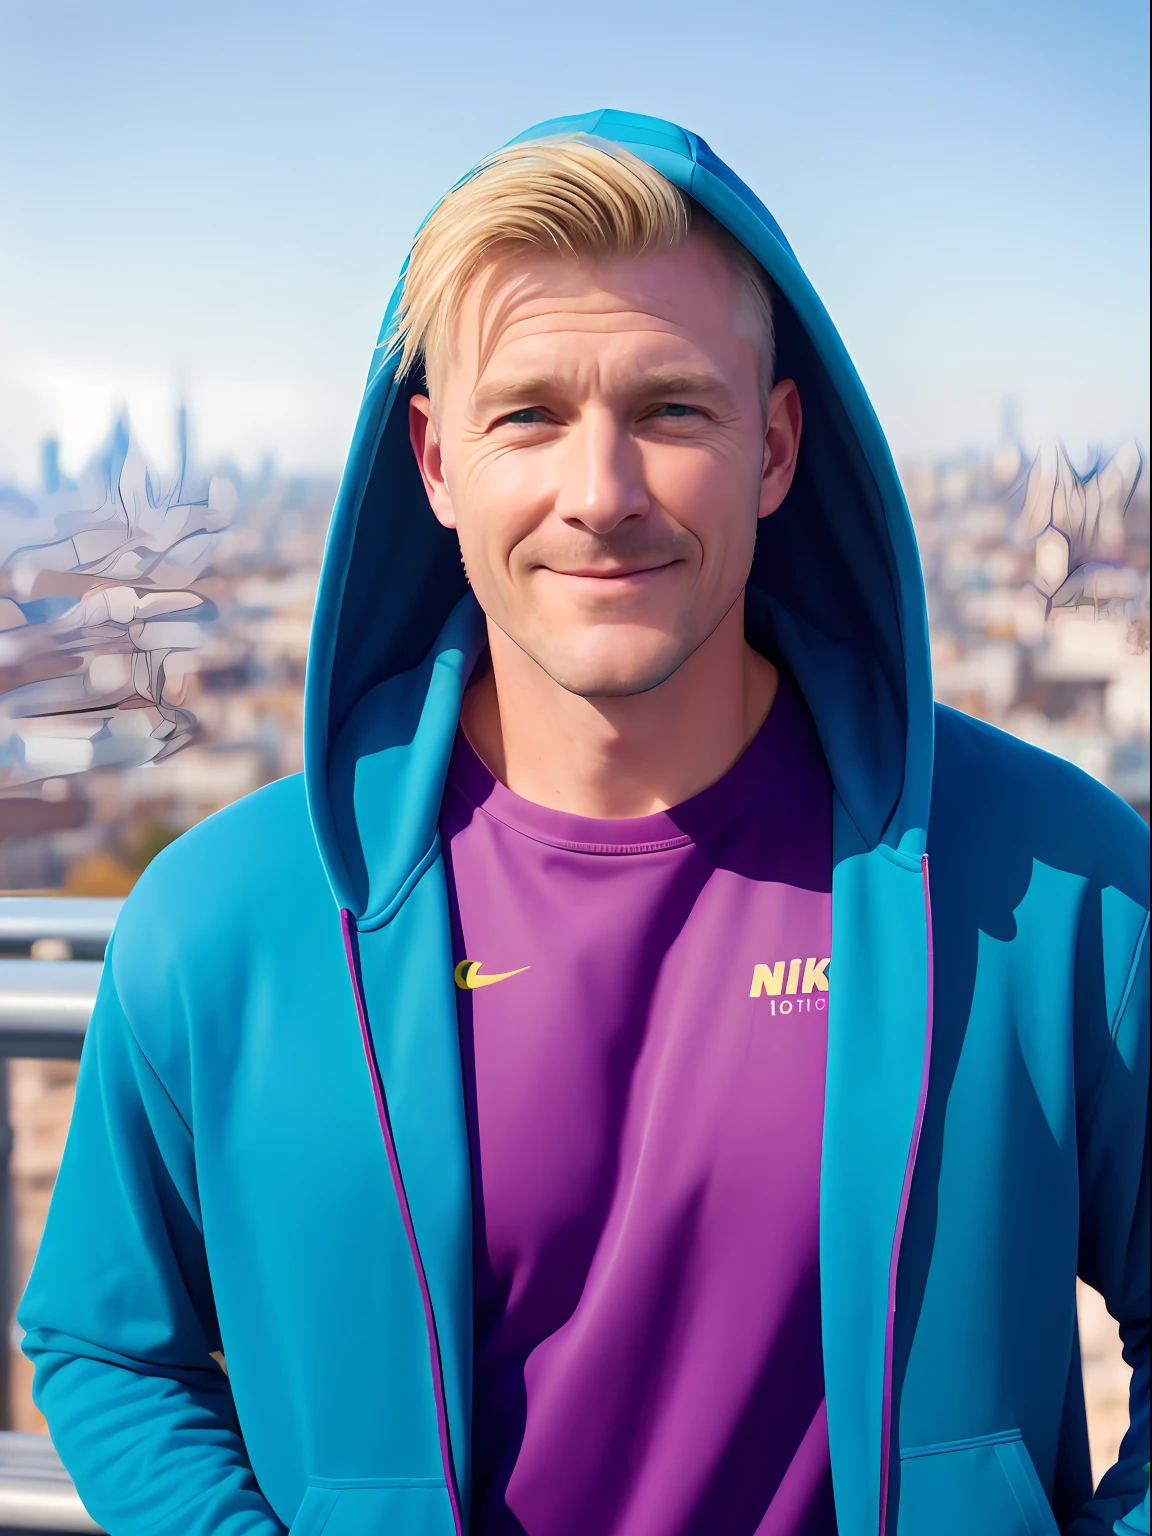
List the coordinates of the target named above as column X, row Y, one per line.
column 1037, row 577
column 203, row 710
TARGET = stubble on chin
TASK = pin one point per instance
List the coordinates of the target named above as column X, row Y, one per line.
column 597, row 672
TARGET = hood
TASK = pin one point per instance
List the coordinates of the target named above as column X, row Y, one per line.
column 835, row 592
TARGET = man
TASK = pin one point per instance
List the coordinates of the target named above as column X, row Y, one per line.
column 567, row 1110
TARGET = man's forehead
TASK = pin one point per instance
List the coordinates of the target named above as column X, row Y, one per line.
column 623, row 354
column 558, row 316
column 554, row 335
column 526, row 272
column 628, row 376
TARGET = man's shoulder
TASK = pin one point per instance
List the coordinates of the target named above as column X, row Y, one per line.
column 247, row 851
column 250, row 871
column 990, row 789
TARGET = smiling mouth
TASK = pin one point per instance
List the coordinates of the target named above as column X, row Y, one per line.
column 631, row 573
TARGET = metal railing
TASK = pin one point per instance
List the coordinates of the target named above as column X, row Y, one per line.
column 45, row 1006
column 51, row 956
column 82, row 922
column 36, row 1494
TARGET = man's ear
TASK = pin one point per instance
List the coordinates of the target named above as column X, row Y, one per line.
column 425, row 440
column 782, row 430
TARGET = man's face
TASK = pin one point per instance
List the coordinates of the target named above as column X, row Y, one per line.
column 602, row 447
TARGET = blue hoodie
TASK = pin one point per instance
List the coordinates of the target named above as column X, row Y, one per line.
column 252, row 1306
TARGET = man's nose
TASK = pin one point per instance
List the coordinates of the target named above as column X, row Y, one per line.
column 603, row 475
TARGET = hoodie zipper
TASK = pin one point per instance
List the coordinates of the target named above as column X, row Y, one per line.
column 351, row 954
column 898, row 1237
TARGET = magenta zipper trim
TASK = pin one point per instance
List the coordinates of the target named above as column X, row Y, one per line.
column 347, row 924
column 905, row 1193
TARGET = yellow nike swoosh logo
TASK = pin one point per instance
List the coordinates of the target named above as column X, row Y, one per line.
column 467, row 975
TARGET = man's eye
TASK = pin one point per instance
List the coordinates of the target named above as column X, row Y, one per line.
column 528, row 417
column 675, row 412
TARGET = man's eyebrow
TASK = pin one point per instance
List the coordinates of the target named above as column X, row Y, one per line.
column 507, row 391
column 671, row 380
column 653, row 383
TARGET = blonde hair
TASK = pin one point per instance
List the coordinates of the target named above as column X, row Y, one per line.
column 571, row 196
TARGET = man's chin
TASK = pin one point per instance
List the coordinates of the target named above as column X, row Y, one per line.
column 609, row 677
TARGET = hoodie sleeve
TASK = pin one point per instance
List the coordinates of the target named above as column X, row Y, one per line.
column 118, row 1314
column 1114, row 1243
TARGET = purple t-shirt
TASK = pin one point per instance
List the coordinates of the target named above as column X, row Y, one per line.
column 643, row 1020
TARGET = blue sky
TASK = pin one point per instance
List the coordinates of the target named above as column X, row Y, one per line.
column 211, row 199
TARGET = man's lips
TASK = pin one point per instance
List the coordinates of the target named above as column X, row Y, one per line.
column 612, row 573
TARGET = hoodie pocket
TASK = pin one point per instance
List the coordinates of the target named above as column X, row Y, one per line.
column 312, row 1516
column 987, row 1484
column 371, row 1507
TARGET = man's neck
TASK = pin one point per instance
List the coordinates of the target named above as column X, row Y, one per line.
column 624, row 756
